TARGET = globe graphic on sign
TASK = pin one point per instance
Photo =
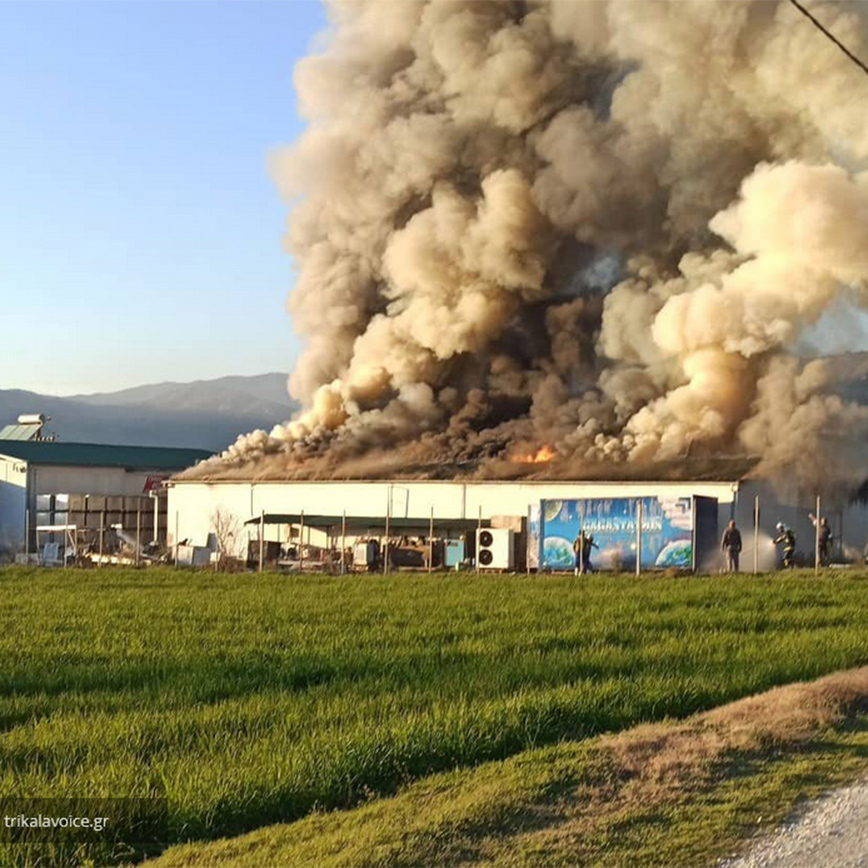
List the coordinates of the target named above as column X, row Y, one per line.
column 552, row 509
column 558, row 553
column 678, row 553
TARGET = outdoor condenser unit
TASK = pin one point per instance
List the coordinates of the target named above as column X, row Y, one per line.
column 495, row 549
column 454, row 553
column 365, row 554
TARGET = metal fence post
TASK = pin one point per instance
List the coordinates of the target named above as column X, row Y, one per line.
column 261, row 539
column 343, row 542
column 817, row 537
column 638, row 536
column 476, row 547
column 756, row 522
column 301, row 543
column 527, row 542
column 138, row 535
column 431, row 541
column 388, row 522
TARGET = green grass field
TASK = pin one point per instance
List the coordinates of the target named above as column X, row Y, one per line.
column 251, row 699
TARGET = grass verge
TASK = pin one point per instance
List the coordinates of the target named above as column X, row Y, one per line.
column 676, row 793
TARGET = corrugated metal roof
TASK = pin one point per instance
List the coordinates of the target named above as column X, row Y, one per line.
column 676, row 471
column 20, row 432
column 100, row 455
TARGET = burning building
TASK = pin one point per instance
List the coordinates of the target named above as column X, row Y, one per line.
column 574, row 240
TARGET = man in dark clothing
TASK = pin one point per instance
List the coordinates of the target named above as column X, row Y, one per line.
column 582, row 546
column 586, row 555
column 731, row 547
column 787, row 538
column 824, row 539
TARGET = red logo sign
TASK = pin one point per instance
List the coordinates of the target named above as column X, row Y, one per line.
column 154, row 482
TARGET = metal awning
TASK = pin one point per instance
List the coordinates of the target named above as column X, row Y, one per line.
column 355, row 523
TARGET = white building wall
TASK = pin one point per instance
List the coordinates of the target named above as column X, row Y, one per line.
column 61, row 479
column 13, row 503
column 20, row 485
column 193, row 505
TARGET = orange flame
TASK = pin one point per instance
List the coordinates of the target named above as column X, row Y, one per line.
column 541, row 456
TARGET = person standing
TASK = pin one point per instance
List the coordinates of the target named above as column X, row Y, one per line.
column 587, row 566
column 824, row 538
column 579, row 548
column 731, row 547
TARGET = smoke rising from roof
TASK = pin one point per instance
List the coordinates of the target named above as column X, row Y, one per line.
column 596, row 226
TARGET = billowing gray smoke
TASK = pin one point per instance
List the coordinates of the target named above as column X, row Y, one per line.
column 594, row 229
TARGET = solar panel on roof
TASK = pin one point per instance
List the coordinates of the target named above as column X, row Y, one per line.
column 20, row 432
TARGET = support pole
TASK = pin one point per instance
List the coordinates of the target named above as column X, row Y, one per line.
column 102, row 537
column 388, row 521
column 841, row 534
column 343, row 542
column 527, row 543
column 156, row 517
column 477, row 546
column 582, row 540
column 261, row 540
column 817, row 537
column 638, row 536
column 301, row 544
column 431, row 541
column 756, row 522
column 176, row 538
column 138, row 535
column 27, row 531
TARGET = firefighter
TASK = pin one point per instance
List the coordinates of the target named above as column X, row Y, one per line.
column 787, row 539
column 731, row 547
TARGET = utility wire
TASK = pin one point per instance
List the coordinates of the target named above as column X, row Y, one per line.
column 830, row 35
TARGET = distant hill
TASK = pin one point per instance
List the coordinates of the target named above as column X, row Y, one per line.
column 207, row 414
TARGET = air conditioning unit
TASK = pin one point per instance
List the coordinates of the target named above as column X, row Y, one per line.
column 495, row 548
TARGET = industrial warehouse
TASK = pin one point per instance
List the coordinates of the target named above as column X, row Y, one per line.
column 57, row 498
column 61, row 502
column 527, row 524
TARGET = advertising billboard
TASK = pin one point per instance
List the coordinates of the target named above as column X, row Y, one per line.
column 668, row 531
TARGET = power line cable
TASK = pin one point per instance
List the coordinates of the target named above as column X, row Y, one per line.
column 831, row 36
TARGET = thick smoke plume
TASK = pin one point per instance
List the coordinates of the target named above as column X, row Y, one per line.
column 595, row 227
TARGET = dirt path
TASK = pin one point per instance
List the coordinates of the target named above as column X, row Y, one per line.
column 832, row 831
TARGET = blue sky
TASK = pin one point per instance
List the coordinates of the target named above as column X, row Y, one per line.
column 139, row 230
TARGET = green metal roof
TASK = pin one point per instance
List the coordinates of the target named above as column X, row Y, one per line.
column 99, row 455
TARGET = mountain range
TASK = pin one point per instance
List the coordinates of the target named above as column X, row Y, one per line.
column 205, row 414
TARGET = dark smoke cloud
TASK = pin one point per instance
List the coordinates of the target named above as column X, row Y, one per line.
column 600, row 226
